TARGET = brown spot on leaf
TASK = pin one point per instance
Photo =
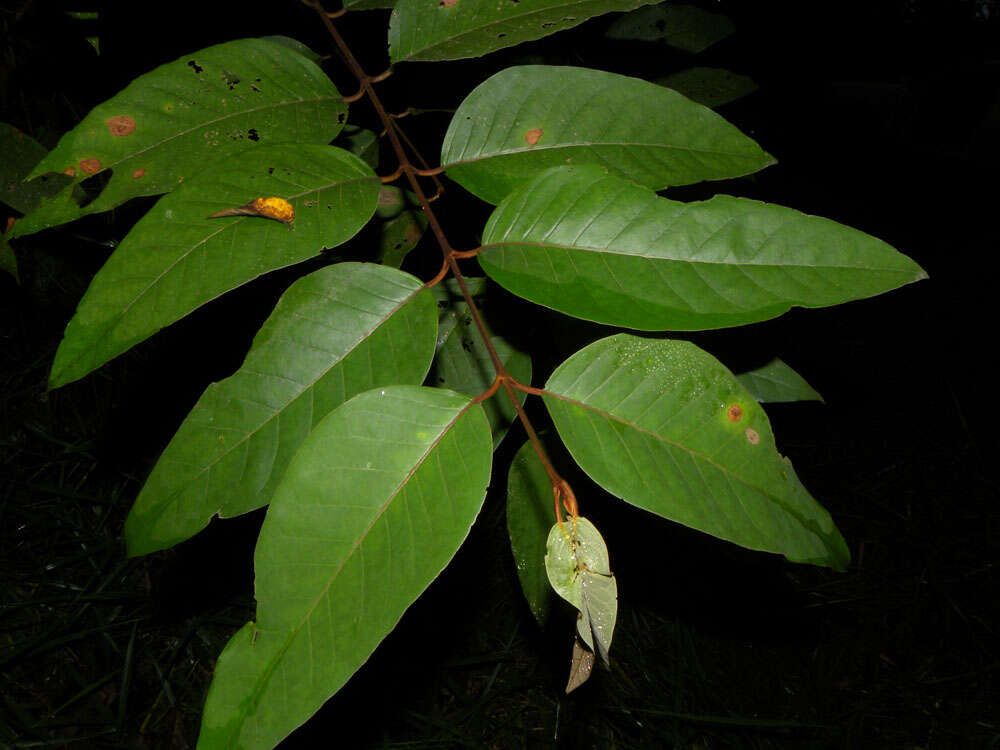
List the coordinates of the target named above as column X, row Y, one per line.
column 735, row 413
column 71, row 171
column 447, row 3
column 412, row 233
column 121, row 125
column 533, row 136
column 138, row 173
column 752, row 437
column 90, row 166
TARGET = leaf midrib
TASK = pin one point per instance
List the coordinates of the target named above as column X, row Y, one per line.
column 547, row 245
column 269, row 672
column 691, row 452
column 162, row 507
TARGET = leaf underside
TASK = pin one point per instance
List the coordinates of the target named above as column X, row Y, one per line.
column 176, row 259
column 373, row 506
column 168, row 124
column 338, row 332
column 685, row 27
column 664, row 426
column 529, row 118
column 455, row 29
column 598, row 247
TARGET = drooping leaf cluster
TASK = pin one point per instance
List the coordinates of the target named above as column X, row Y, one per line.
column 355, row 415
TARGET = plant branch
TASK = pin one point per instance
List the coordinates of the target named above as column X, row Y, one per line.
column 561, row 491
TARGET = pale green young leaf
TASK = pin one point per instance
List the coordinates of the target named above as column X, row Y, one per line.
column 171, row 123
column 664, row 426
column 601, row 248
column 576, row 562
column 685, row 27
column 528, row 118
column 176, row 258
column 335, row 333
column 371, row 509
column 455, row 29
column 776, row 382
column 463, row 363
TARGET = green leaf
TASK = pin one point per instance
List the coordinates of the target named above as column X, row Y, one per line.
column 463, row 364
column 776, row 382
column 526, row 119
column 529, row 516
column 455, row 29
column 686, row 27
column 399, row 236
column 206, row 107
column 664, row 426
column 712, row 87
column 371, row 509
column 604, row 249
column 576, row 562
column 360, row 142
column 176, row 258
column 342, row 330
column 20, row 154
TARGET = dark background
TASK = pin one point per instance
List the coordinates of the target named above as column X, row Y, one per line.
column 883, row 115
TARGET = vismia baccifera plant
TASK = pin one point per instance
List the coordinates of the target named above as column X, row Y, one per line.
column 361, row 415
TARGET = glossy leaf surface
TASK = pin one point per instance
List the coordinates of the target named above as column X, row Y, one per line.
column 372, row 508
column 335, row 333
column 604, row 249
column 454, row 29
column 167, row 125
column 176, row 258
column 529, row 517
column 463, row 364
column 775, row 382
column 664, row 426
column 528, row 118
column 685, row 27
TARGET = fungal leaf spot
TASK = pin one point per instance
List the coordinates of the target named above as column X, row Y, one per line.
column 533, row 136
column 735, row 413
column 753, row 437
column 253, row 135
column 121, row 125
column 90, row 166
column 138, row 173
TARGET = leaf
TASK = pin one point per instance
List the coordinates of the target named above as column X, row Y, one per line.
column 712, row 87
column 576, row 562
column 686, row 27
column 529, row 516
column 776, row 382
column 526, row 119
column 176, row 258
column 399, row 236
column 337, row 332
column 600, row 248
column 664, row 426
column 167, row 125
column 581, row 666
column 371, row 509
column 20, row 153
column 360, row 142
column 463, row 364
column 455, row 29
